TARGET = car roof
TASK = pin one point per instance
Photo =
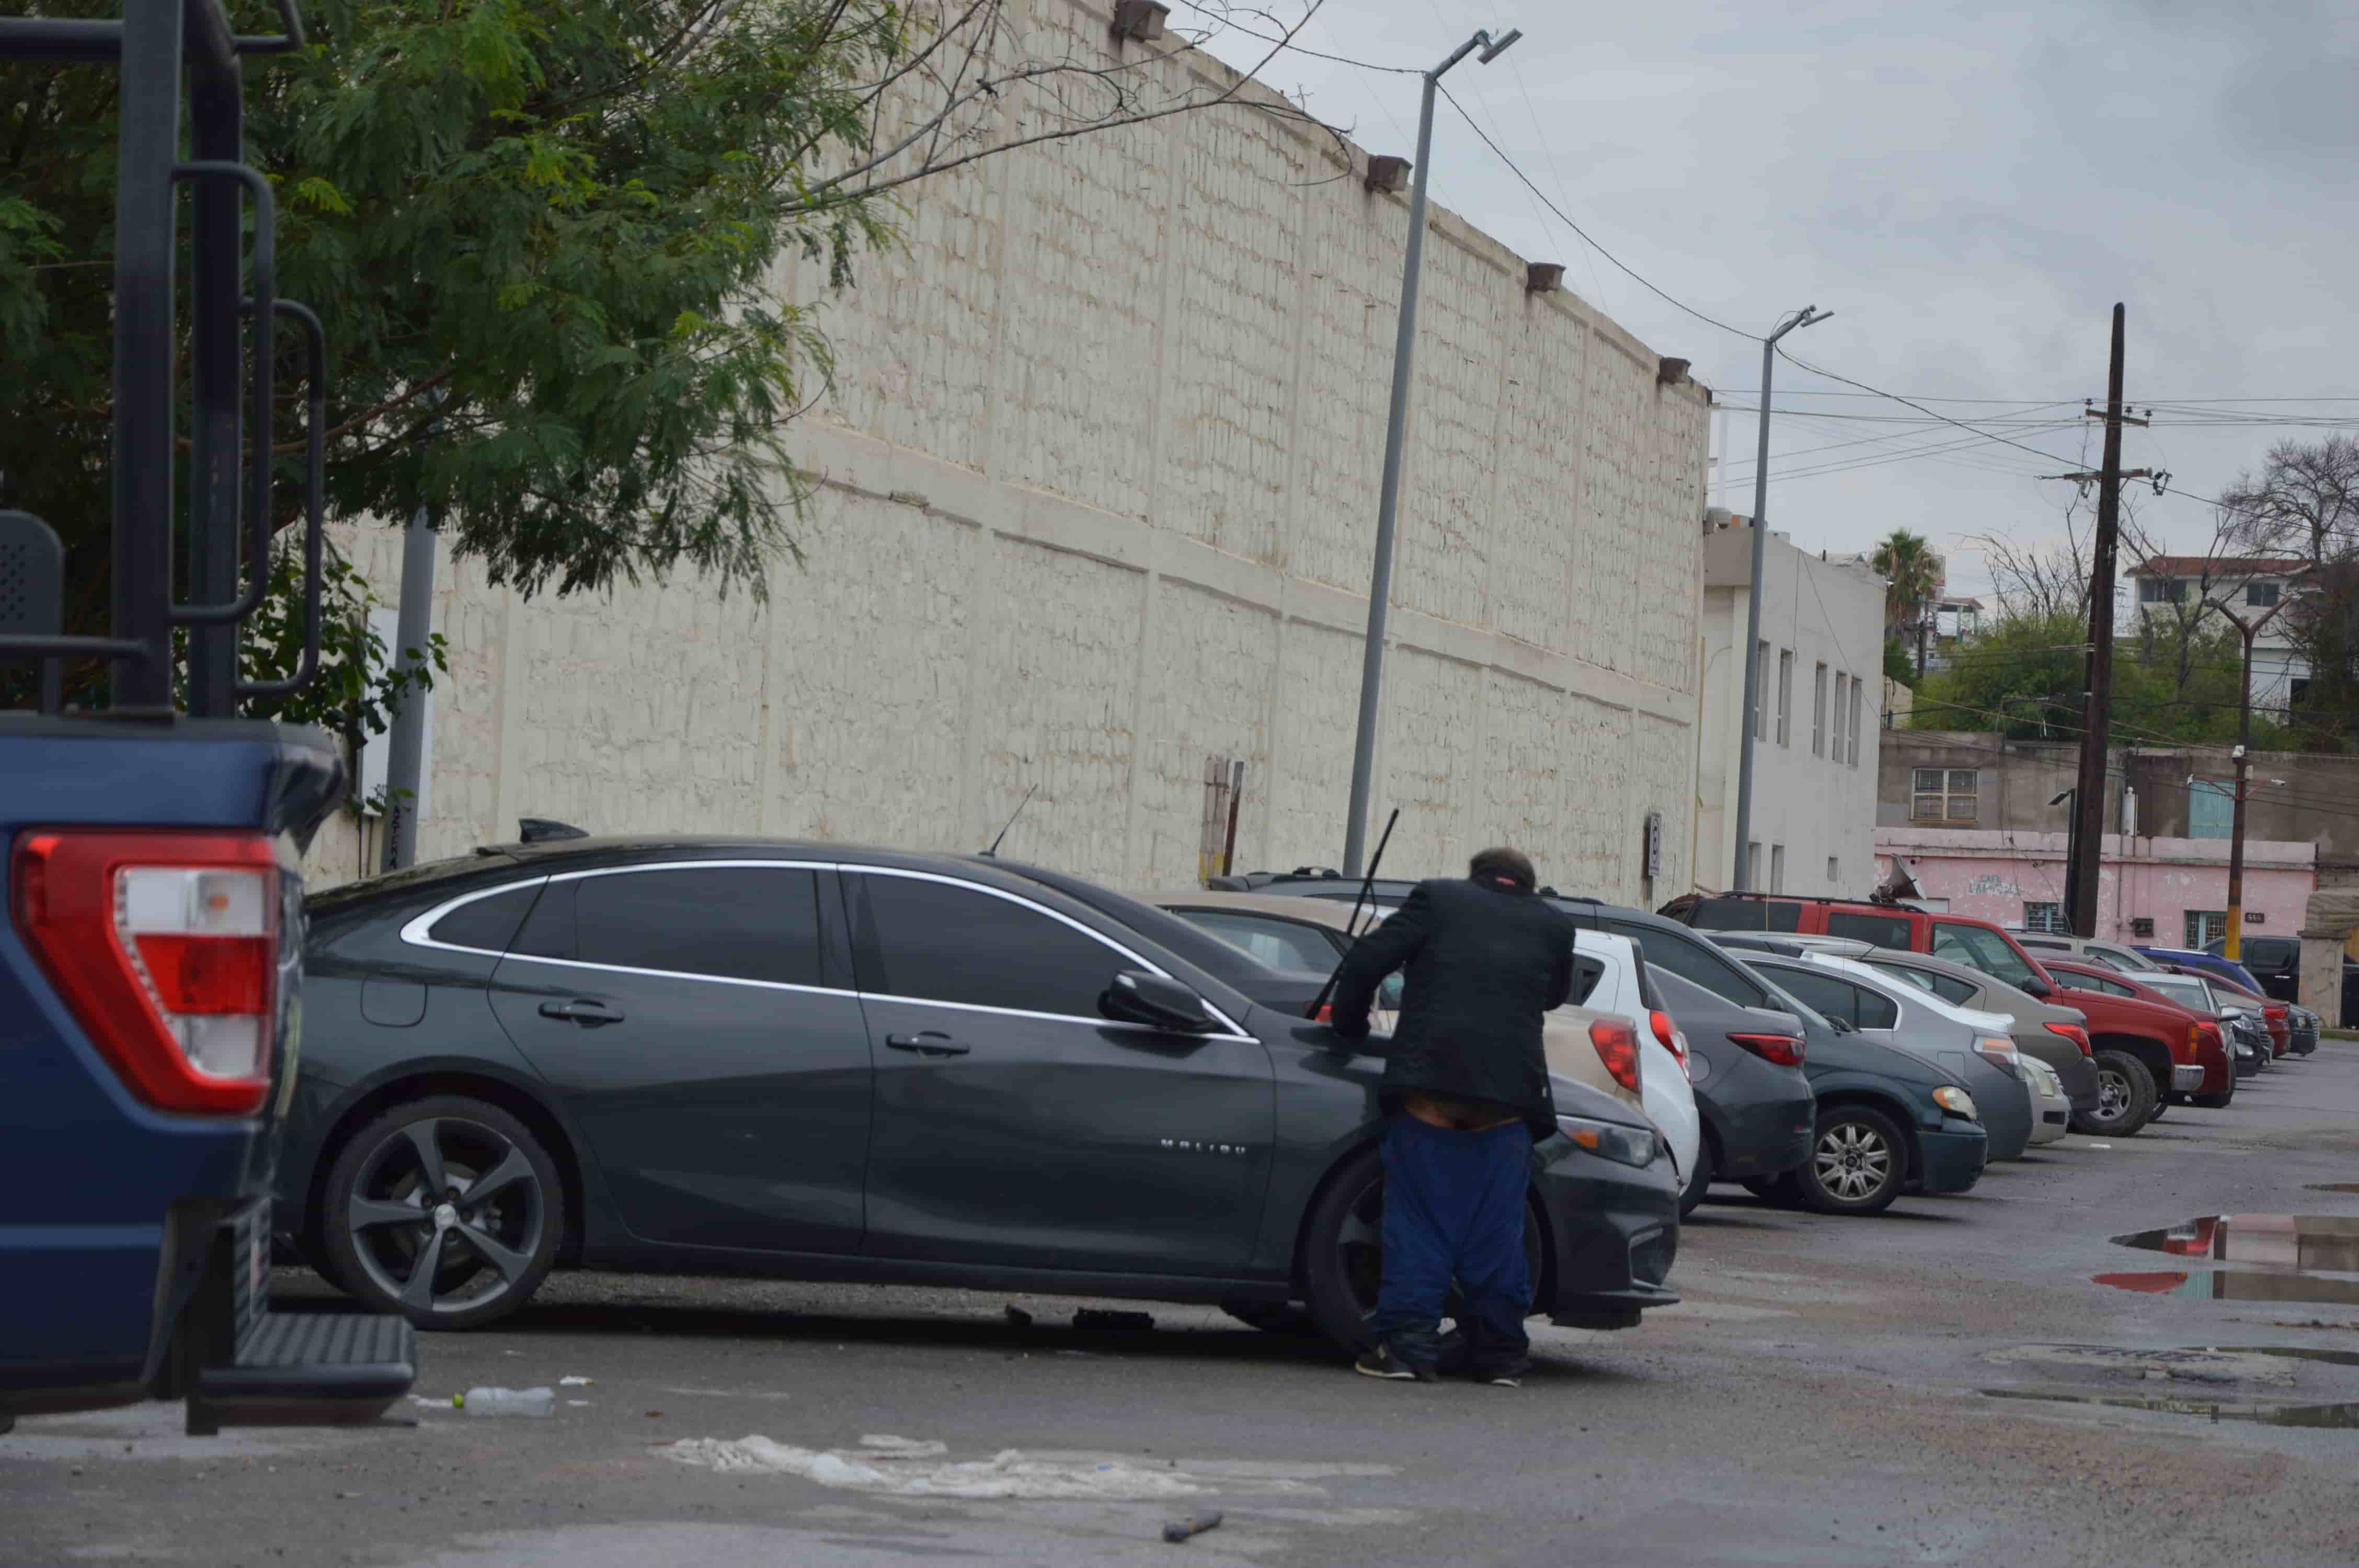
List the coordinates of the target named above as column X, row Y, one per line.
column 1334, row 914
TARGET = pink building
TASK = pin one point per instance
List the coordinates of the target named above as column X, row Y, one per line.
column 2170, row 892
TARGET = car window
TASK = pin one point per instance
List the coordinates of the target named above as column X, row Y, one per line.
column 488, row 924
column 746, row 923
column 943, row 942
column 1746, row 914
column 1981, row 948
column 1877, row 1012
column 1694, row 960
column 1879, row 930
column 1826, row 993
column 2181, row 990
column 2093, row 983
column 1949, row 988
column 1279, row 944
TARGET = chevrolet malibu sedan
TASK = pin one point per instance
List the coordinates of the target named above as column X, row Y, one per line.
column 703, row 1056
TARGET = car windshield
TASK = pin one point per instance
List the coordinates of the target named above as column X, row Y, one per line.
column 1982, row 948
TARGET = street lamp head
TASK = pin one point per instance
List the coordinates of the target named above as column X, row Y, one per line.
column 2062, row 796
column 2235, row 753
column 1492, row 49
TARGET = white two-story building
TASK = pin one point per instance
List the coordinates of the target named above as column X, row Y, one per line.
column 2173, row 590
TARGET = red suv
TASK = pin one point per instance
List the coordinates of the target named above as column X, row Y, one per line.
column 2143, row 1053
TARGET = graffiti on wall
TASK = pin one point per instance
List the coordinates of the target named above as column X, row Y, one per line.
column 1993, row 885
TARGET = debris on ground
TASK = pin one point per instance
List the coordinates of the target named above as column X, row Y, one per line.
column 506, row 1401
column 572, row 1380
column 1180, row 1530
column 2156, row 1365
column 1104, row 1317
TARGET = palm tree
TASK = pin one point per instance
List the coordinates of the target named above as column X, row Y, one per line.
column 1912, row 575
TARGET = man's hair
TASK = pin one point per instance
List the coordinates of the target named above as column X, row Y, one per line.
column 1503, row 865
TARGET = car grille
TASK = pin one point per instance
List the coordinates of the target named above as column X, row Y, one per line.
column 1651, row 1256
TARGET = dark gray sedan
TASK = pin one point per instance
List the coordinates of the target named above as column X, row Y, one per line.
column 812, row 1062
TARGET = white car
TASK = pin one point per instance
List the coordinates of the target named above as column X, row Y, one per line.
column 1620, row 987
column 2052, row 1107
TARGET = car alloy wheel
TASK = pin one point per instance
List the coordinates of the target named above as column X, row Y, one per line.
column 1346, row 1257
column 447, row 1211
column 1858, row 1162
column 1853, row 1161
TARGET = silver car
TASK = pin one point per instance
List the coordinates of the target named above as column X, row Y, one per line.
column 2045, row 1030
column 2089, row 949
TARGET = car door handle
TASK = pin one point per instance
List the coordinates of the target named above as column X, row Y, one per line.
column 929, row 1044
column 581, row 1011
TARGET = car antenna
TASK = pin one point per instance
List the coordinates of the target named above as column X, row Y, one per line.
column 1352, row 926
column 1012, row 816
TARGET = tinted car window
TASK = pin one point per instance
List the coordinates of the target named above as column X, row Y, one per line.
column 1983, row 949
column 1877, row 1012
column 1277, row 944
column 1881, row 930
column 1949, row 988
column 1694, row 960
column 2091, row 983
column 742, row 923
column 1834, row 998
column 1746, row 914
column 488, row 924
column 939, row 942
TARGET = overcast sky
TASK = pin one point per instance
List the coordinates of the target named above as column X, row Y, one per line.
column 1969, row 187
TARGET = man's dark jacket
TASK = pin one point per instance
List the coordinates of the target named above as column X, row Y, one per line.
column 1483, row 961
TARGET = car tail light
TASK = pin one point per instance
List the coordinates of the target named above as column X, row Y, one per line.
column 1782, row 1049
column 1668, row 1033
column 2075, row 1033
column 2200, row 1033
column 1326, row 1013
column 164, row 946
column 1999, row 1051
column 1617, row 1047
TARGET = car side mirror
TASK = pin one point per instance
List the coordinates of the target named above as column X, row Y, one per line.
column 1141, row 996
column 1842, row 1025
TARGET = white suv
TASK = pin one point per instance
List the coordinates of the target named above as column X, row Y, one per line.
column 1621, row 985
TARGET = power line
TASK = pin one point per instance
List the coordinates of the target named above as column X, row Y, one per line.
column 1562, row 218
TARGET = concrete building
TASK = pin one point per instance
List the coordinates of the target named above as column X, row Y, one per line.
column 1098, row 491
column 1820, row 722
column 2176, row 590
column 1984, row 801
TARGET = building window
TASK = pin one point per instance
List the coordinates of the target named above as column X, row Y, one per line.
column 2297, row 691
column 2161, row 590
column 1818, row 713
column 1761, row 691
column 1850, row 744
column 1834, row 871
column 1785, row 697
column 1945, row 796
column 1776, row 868
column 2045, row 917
column 2262, row 594
column 1835, row 736
column 2205, row 926
column 1753, row 866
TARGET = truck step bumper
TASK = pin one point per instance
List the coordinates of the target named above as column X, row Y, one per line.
column 307, row 1369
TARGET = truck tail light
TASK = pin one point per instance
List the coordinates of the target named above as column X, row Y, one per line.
column 165, row 948
column 1668, row 1033
column 1783, row 1049
column 2199, row 1034
column 2075, row 1033
column 1617, row 1047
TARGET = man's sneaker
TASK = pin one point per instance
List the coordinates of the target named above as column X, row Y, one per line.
column 1378, row 1361
column 1508, row 1376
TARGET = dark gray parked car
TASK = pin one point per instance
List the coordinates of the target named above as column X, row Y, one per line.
column 807, row 1061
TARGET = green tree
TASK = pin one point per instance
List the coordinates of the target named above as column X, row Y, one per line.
column 1912, row 577
column 545, row 237
column 1899, row 663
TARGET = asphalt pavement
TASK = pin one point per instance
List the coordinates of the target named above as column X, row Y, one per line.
column 1832, row 1392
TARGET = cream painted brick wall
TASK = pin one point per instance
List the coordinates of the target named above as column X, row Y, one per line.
column 1098, row 489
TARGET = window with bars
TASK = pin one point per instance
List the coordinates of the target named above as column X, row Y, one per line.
column 2044, row 918
column 1945, row 796
column 2205, row 926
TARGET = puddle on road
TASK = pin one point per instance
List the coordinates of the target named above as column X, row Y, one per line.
column 2330, row 1188
column 2237, row 1285
column 2343, row 1415
column 2311, row 1243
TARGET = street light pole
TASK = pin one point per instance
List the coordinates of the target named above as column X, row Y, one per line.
column 1380, row 584
column 1742, row 881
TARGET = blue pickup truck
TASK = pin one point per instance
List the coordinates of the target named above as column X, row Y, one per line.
column 151, row 973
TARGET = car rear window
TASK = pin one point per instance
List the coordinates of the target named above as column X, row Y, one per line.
column 1876, row 930
column 486, row 925
column 1693, row 959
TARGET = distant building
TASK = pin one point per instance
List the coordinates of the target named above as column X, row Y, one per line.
column 1815, row 751
column 2174, row 590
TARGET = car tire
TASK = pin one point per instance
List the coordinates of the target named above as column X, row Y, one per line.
column 2219, row 1101
column 2161, row 1104
column 1858, row 1163
column 2126, row 1097
column 1344, row 1252
column 1777, row 1189
column 1698, row 1180
column 506, row 1233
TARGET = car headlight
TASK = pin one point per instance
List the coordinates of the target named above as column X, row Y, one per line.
column 1628, row 1145
column 1957, row 1102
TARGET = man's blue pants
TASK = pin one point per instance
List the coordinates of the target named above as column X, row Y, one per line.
column 1454, row 1210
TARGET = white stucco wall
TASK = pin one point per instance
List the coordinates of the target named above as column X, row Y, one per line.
column 1098, row 497
column 1816, row 806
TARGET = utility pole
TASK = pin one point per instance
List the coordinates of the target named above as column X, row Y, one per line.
column 2089, row 803
column 1808, row 315
column 2233, row 946
column 1380, row 584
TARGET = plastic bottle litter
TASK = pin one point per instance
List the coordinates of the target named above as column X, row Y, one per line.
column 506, row 1401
